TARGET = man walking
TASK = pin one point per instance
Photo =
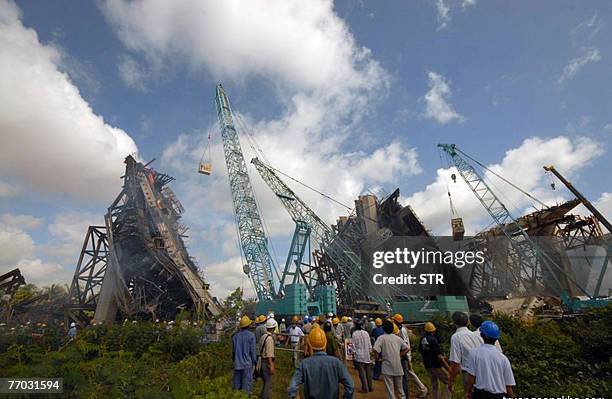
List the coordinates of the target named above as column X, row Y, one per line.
column 266, row 350
column 391, row 348
column 434, row 363
column 489, row 371
column 295, row 334
column 363, row 349
column 461, row 342
column 321, row 374
column 409, row 374
column 244, row 355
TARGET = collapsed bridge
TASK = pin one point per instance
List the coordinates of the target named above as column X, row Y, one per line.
column 137, row 265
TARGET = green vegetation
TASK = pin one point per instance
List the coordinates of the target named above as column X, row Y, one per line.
column 144, row 360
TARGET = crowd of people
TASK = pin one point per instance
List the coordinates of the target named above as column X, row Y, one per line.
column 378, row 349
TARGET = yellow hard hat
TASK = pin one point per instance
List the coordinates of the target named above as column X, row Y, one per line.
column 317, row 338
column 395, row 329
column 335, row 321
column 398, row 317
column 378, row 322
column 429, row 327
column 245, row 321
column 260, row 319
column 344, row 319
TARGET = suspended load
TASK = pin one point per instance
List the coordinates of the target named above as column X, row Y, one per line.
column 205, row 165
column 457, row 228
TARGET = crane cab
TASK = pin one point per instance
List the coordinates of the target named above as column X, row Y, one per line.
column 205, row 168
column 457, row 228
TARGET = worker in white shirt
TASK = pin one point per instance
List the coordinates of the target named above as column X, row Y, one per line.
column 295, row 333
column 461, row 342
column 489, row 371
column 363, row 350
column 476, row 320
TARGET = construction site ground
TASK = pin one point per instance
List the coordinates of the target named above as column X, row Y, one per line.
column 379, row 386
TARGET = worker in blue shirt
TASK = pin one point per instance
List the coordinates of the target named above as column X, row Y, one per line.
column 244, row 353
column 377, row 331
column 320, row 373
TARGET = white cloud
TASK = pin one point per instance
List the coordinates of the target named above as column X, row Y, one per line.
column 302, row 45
column 49, row 131
column 437, row 106
column 604, row 205
column 225, row 276
column 132, row 72
column 27, row 222
column 589, row 55
column 445, row 7
column 66, row 234
column 443, row 13
column 42, row 273
column 15, row 244
column 588, row 29
column 521, row 165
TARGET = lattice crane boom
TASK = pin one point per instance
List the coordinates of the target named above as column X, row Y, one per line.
column 347, row 262
column 524, row 251
column 259, row 263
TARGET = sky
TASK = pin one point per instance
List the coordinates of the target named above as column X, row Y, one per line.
column 349, row 97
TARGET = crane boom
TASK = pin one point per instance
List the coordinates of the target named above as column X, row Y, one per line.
column 523, row 250
column 602, row 219
column 259, row 263
column 347, row 262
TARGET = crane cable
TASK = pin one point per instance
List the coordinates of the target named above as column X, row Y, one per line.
column 504, row 179
column 453, row 211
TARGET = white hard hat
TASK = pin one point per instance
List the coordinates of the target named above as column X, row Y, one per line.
column 350, row 319
column 73, row 324
column 271, row 316
column 171, row 322
column 271, row 323
column 157, row 320
column 330, row 314
column 283, row 320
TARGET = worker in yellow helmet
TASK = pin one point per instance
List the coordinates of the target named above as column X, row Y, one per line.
column 435, row 363
column 409, row 373
column 244, row 356
column 321, row 374
column 377, row 332
column 260, row 329
column 337, row 329
column 295, row 337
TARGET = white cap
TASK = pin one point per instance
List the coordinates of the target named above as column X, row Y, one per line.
column 73, row 324
column 271, row 323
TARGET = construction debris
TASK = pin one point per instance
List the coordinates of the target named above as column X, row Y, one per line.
column 138, row 265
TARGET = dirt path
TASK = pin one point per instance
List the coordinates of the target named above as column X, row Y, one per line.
column 379, row 386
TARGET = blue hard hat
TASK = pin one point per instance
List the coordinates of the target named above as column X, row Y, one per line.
column 489, row 329
column 306, row 319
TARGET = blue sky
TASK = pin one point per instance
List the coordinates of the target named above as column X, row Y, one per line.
column 350, row 97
